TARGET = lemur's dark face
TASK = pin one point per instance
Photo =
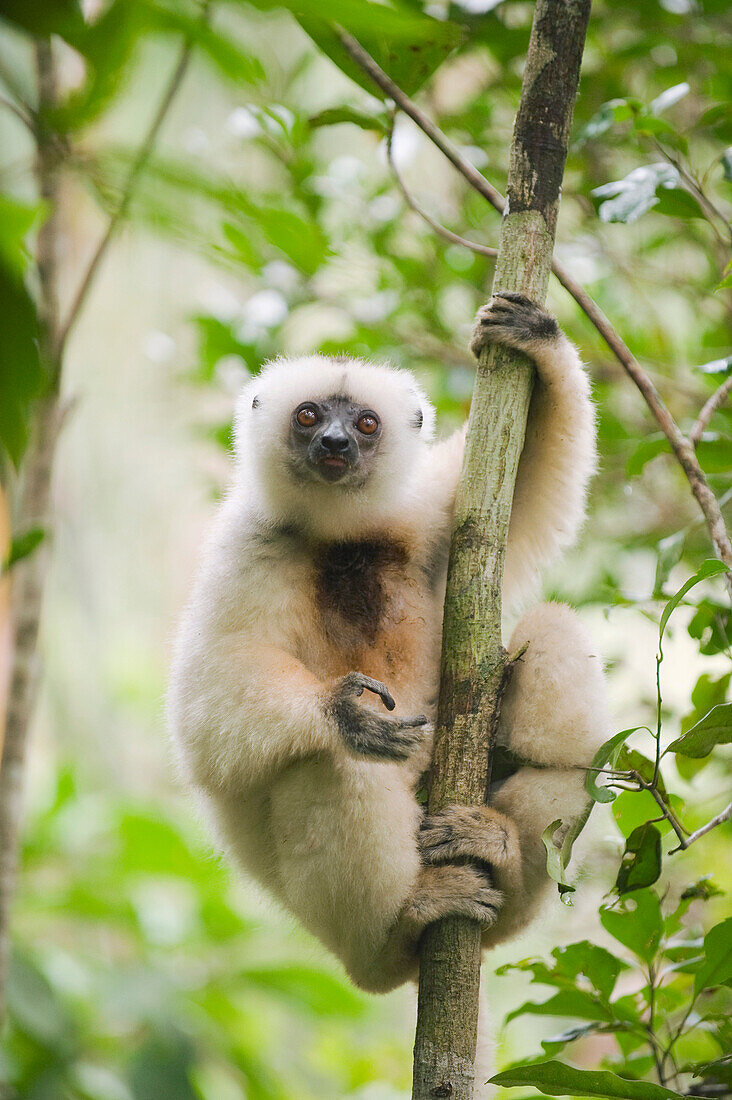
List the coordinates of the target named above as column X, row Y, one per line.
column 334, row 440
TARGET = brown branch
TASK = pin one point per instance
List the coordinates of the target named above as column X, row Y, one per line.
column 138, row 165
column 681, row 447
column 440, row 230
column 708, row 410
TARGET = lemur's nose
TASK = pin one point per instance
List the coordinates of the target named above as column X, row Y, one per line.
column 335, row 440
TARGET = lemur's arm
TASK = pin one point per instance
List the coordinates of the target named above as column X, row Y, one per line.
column 559, row 456
column 242, row 712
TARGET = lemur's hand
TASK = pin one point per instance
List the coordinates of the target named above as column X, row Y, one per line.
column 366, row 733
column 513, row 320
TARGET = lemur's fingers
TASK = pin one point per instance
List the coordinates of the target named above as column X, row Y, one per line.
column 512, row 319
column 473, row 832
column 369, row 734
column 355, row 683
column 448, row 891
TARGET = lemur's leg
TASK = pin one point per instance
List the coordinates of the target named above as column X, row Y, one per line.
column 553, row 718
column 469, row 832
column 558, row 457
column 440, row 891
column 554, row 711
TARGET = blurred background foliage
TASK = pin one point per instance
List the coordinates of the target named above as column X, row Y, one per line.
column 265, row 221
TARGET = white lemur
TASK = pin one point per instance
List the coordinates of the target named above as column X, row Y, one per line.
column 323, row 580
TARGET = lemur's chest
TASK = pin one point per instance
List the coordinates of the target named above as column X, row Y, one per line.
column 359, row 587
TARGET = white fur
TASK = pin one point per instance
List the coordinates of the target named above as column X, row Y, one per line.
column 333, row 836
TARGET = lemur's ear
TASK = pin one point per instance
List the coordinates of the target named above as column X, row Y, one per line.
column 418, row 420
column 255, row 403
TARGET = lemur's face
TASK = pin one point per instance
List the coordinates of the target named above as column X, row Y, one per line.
column 334, row 440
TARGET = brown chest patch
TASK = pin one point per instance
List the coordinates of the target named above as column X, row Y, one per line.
column 350, row 584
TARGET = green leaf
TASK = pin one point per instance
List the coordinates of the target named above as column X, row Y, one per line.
column 334, row 116
column 557, row 1079
column 22, row 546
column 308, row 987
column 641, row 863
column 42, row 18
column 726, row 161
column 721, row 367
column 668, row 554
column 701, row 890
column 628, row 199
column 615, row 110
column 712, row 567
column 21, row 374
column 17, row 219
column 636, row 923
column 715, row 728
column 230, row 58
column 607, row 756
column 408, row 45
column 596, row 963
column 555, row 865
column 648, row 449
column 567, row 1002
column 711, row 624
column 668, row 98
column 35, row 1008
column 717, row 966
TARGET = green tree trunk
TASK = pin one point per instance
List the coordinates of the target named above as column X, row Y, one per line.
column 473, row 658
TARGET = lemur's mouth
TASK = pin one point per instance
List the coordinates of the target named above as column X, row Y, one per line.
column 335, row 461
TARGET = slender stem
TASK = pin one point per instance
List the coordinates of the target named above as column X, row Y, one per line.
column 680, row 445
column 652, row 1037
column 708, row 410
column 440, row 230
column 426, row 125
column 31, row 511
column 725, row 815
column 26, row 119
column 138, row 165
column 696, row 189
column 33, row 506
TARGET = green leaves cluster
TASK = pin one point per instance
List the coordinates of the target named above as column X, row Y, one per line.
column 660, row 990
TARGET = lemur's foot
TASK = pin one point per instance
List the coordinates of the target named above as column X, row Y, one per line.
column 469, row 832
column 367, row 733
column 450, row 891
column 514, row 320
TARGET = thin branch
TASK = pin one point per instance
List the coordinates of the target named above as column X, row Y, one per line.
column 440, row 230
column 725, row 815
column 708, row 410
column 26, row 119
column 426, row 125
column 680, row 445
column 31, row 511
column 697, row 191
column 138, row 165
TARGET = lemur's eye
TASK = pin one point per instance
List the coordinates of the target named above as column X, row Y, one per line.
column 306, row 416
column 367, row 423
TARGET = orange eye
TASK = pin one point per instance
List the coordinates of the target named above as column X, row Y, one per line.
column 306, row 416
column 367, row 423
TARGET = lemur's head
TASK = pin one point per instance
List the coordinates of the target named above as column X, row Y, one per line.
column 331, row 440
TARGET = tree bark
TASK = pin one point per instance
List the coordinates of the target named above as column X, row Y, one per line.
column 473, row 658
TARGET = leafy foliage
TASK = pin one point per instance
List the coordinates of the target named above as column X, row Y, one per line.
column 138, row 970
